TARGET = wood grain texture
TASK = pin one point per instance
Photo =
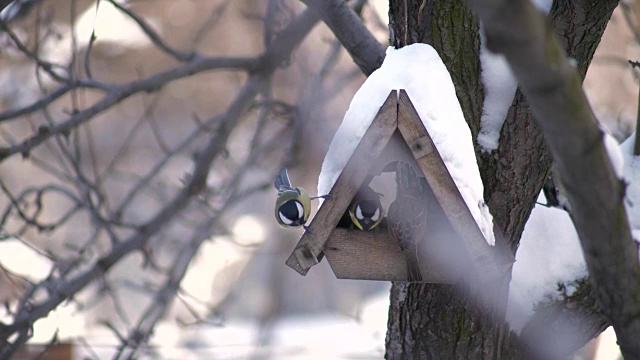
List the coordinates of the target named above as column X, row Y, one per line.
column 308, row 251
column 373, row 255
column 446, row 191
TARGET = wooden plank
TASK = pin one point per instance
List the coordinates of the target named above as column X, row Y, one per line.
column 446, row 191
column 373, row 255
column 308, row 251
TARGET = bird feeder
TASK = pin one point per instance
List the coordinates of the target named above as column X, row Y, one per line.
column 397, row 133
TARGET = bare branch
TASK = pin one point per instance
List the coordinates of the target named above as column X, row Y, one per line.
column 553, row 87
column 37, row 105
column 117, row 93
column 365, row 50
column 92, row 40
column 560, row 327
column 65, row 285
column 140, row 335
column 266, row 63
column 48, row 67
column 153, row 36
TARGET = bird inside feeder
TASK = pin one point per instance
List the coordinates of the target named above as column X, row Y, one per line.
column 395, row 212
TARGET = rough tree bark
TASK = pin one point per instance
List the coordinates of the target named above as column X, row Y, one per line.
column 437, row 321
column 579, row 26
column 552, row 85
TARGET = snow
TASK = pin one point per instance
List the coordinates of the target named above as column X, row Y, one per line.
column 499, row 89
column 542, row 260
column 542, row 5
column 632, row 178
column 24, row 260
column 549, row 254
column 303, row 336
column 614, row 151
column 331, row 336
column 419, row 70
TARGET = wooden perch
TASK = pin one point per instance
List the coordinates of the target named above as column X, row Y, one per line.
column 454, row 241
column 374, row 255
column 308, row 252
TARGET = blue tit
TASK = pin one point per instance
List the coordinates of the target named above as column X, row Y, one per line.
column 366, row 210
column 293, row 204
column 407, row 217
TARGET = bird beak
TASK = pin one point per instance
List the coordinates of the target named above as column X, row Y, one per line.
column 366, row 225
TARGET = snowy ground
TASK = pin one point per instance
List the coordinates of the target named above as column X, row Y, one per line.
column 317, row 336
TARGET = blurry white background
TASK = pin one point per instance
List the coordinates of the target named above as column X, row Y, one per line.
column 237, row 299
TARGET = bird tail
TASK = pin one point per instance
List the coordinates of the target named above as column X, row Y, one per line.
column 407, row 181
column 282, row 180
column 413, row 267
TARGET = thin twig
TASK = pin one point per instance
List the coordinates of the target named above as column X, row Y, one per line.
column 69, row 280
column 119, row 93
column 153, row 36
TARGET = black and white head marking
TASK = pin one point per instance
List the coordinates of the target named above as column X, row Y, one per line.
column 284, row 219
column 376, row 215
column 291, row 212
column 359, row 213
column 367, row 210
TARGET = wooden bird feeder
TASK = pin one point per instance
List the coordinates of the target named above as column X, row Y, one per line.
column 397, row 133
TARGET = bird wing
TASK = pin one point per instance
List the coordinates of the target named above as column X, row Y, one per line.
column 407, row 216
column 282, row 180
column 406, row 220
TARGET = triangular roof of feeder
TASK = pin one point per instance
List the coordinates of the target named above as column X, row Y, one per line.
column 398, row 113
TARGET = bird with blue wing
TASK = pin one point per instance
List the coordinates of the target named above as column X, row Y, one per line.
column 293, row 204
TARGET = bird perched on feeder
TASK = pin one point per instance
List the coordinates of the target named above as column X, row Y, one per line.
column 407, row 217
column 293, row 204
column 555, row 193
column 366, row 210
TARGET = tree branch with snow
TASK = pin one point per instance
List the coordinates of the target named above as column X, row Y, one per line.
column 553, row 88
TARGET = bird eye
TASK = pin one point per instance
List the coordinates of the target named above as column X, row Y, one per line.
column 376, row 215
column 359, row 213
column 284, row 219
column 300, row 210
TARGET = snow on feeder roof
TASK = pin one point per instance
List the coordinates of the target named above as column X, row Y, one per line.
column 398, row 134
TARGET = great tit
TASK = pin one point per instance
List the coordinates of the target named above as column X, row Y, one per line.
column 407, row 217
column 293, row 204
column 366, row 210
column 555, row 192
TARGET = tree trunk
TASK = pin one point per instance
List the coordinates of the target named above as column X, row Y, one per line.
column 440, row 321
column 429, row 320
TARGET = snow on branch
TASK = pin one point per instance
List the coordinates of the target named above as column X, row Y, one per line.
column 553, row 88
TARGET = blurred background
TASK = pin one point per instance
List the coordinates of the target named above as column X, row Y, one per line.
column 81, row 195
